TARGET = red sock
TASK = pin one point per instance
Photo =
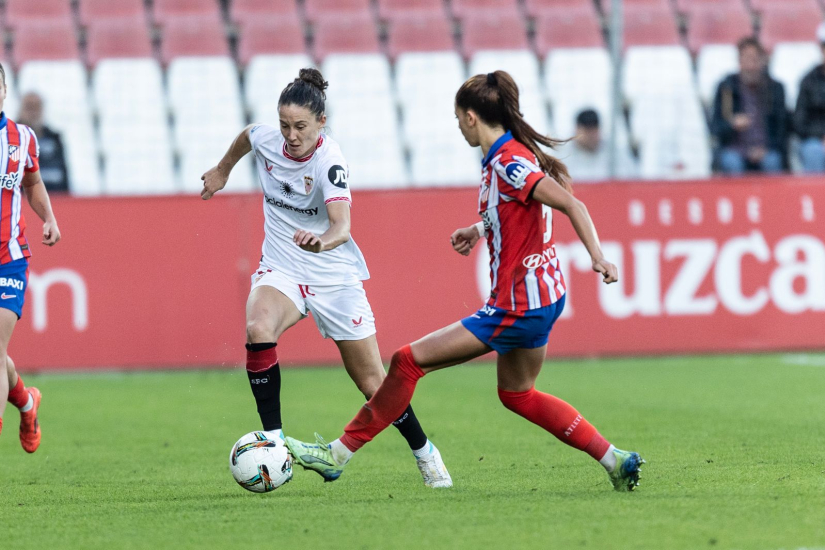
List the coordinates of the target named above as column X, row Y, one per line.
column 19, row 395
column 557, row 417
column 386, row 404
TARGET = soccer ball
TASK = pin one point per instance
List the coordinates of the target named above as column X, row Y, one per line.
column 260, row 464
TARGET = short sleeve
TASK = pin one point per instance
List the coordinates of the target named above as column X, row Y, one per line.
column 33, row 152
column 260, row 133
column 334, row 176
column 517, row 177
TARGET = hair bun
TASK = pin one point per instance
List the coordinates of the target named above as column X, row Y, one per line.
column 315, row 78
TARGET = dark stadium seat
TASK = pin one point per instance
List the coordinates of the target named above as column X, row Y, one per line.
column 394, row 9
column 688, row 6
column 464, row 8
column 420, row 33
column 20, row 11
column 255, row 10
column 568, row 28
column 647, row 26
column 761, row 5
column 718, row 25
column 638, row 4
column 103, row 9
column 316, row 9
column 49, row 39
column 493, row 31
column 192, row 36
column 122, row 37
column 789, row 23
column 166, row 9
column 536, row 8
column 345, row 34
column 281, row 35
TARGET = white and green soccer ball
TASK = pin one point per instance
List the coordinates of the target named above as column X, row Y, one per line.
column 259, row 463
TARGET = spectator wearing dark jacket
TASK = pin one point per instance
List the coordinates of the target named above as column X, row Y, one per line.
column 52, row 160
column 809, row 117
column 750, row 121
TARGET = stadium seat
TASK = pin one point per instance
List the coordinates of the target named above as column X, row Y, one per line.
column 106, row 9
column 198, row 85
column 415, row 33
column 424, row 77
column 446, row 161
column 398, row 9
column 62, row 85
column 538, row 8
column 788, row 23
column 165, row 10
column 135, row 141
column 242, row 11
column 21, row 11
column 713, row 64
column 760, row 5
column 464, row 8
column 193, row 36
column 106, row 38
column 265, row 77
column 345, row 34
column 718, row 25
column 524, row 68
column 11, row 106
column 50, row 39
column 568, row 28
column 688, row 6
column 493, row 31
column 283, row 35
column 664, row 70
column 649, row 26
column 789, row 64
column 317, row 9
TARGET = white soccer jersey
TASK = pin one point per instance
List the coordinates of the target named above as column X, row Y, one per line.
column 296, row 192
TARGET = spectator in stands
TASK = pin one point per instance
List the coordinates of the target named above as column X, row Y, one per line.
column 750, row 122
column 587, row 156
column 809, row 117
column 52, row 161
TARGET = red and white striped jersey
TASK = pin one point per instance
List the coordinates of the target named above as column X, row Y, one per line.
column 19, row 152
column 524, row 270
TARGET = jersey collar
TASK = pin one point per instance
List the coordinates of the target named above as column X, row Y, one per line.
column 496, row 146
column 3, row 120
column 302, row 159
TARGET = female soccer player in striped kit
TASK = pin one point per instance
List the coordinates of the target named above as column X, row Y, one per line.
column 520, row 187
column 309, row 262
column 18, row 168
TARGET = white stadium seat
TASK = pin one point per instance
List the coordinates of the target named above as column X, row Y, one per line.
column 790, row 62
column 265, row 78
column 12, row 104
column 206, row 102
column 657, row 70
column 421, row 77
column 713, row 64
column 62, row 85
column 134, row 129
column 446, row 161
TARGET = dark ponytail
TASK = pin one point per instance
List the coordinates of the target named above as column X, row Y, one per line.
column 494, row 98
column 306, row 91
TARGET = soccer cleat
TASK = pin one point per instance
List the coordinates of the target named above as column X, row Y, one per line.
column 29, row 426
column 315, row 457
column 625, row 476
column 433, row 470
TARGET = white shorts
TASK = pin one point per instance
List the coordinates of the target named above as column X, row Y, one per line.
column 341, row 312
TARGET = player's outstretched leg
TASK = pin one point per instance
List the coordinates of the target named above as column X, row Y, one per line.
column 27, row 400
column 427, row 457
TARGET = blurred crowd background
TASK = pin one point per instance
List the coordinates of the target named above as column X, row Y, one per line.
column 142, row 96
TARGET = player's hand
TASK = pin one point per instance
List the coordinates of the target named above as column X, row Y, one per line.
column 308, row 241
column 609, row 271
column 213, row 181
column 464, row 239
column 51, row 234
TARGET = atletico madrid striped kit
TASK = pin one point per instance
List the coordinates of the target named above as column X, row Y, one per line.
column 19, row 152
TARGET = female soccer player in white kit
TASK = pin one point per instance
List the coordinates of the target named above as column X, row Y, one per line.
column 309, row 261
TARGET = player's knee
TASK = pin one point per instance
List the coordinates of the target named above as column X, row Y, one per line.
column 369, row 385
column 260, row 330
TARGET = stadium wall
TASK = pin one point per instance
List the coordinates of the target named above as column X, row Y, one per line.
column 161, row 282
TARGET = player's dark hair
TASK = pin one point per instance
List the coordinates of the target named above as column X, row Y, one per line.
column 750, row 42
column 494, row 98
column 3, row 73
column 306, row 91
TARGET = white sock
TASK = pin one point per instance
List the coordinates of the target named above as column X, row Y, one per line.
column 340, row 452
column 275, row 434
column 28, row 406
column 609, row 459
column 424, row 451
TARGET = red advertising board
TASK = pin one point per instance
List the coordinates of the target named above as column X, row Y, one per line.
column 722, row 265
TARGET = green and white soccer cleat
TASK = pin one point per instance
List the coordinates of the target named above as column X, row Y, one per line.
column 433, row 470
column 625, row 476
column 315, row 456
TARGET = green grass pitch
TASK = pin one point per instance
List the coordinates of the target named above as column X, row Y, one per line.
column 735, row 448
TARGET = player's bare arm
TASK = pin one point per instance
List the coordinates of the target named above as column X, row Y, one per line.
column 215, row 178
column 38, row 199
column 464, row 239
column 336, row 235
column 555, row 196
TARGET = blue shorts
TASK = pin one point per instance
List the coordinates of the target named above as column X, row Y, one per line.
column 14, row 277
column 505, row 330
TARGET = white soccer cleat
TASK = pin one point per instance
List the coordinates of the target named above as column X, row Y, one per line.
column 433, row 470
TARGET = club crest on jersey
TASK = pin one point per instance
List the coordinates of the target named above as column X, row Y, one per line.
column 338, row 176
column 14, row 153
column 308, row 184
